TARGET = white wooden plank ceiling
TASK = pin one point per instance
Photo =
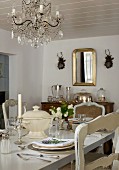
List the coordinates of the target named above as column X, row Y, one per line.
column 82, row 18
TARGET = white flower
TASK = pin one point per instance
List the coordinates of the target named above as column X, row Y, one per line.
column 70, row 106
column 59, row 115
column 59, row 109
column 52, row 112
column 66, row 114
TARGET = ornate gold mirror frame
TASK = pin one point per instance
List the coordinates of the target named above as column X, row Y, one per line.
column 84, row 67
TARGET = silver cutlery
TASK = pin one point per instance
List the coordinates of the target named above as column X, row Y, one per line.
column 42, row 155
column 28, row 158
column 22, row 147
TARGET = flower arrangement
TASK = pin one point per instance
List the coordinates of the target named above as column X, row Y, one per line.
column 62, row 112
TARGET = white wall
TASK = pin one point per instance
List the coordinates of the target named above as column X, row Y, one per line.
column 28, row 78
column 106, row 78
column 25, row 69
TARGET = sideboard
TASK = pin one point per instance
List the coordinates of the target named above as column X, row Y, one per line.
column 109, row 106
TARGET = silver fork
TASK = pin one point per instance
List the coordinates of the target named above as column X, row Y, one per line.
column 42, row 155
column 26, row 159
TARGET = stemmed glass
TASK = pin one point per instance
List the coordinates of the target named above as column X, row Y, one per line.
column 19, row 130
column 54, row 128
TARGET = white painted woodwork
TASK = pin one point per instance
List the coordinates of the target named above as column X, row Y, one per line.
column 7, row 108
column 109, row 122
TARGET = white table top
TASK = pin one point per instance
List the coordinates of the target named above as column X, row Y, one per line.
column 12, row 162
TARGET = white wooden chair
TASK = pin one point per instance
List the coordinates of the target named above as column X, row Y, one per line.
column 5, row 108
column 91, row 109
column 109, row 122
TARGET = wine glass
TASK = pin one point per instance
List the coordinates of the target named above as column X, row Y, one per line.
column 19, row 131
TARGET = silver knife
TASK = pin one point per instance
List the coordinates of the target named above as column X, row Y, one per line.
column 42, row 155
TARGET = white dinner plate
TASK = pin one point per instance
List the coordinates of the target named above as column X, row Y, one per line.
column 54, row 143
column 77, row 121
column 39, row 148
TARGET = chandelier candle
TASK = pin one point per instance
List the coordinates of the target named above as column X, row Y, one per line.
column 19, row 106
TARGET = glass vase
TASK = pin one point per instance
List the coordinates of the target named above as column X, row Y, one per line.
column 61, row 124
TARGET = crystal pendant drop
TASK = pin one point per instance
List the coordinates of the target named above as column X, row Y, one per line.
column 19, row 39
column 12, row 34
column 60, row 34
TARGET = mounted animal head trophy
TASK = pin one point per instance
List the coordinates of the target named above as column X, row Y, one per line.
column 61, row 61
column 108, row 62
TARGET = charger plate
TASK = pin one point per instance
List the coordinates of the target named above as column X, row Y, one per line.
column 39, row 148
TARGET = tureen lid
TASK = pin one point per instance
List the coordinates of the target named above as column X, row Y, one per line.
column 36, row 113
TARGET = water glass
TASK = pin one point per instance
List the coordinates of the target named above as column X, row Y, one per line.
column 83, row 117
column 11, row 126
column 54, row 129
column 5, row 144
column 79, row 117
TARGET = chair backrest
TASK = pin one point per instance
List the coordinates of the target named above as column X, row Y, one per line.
column 5, row 108
column 84, row 129
column 91, row 109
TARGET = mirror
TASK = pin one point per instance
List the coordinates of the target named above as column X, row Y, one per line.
column 84, row 67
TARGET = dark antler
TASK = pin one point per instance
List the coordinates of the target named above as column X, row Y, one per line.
column 60, row 54
column 108, row 51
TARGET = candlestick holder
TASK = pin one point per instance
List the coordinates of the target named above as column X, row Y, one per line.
column 19, row 129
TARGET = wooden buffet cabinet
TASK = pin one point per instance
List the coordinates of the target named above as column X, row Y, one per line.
column 109, row 106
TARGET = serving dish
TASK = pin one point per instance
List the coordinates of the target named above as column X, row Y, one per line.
column 36, row 122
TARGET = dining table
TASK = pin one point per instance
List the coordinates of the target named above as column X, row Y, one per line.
column 48, row 159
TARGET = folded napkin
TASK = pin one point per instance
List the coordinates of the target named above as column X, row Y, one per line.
column 61, row 142
column 97, row 134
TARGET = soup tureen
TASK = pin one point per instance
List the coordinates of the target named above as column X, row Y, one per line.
column 36, row 122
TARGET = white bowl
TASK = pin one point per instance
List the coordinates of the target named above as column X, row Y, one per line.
column 36, row 122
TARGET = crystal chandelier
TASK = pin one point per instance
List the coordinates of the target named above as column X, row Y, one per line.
column 35, row 23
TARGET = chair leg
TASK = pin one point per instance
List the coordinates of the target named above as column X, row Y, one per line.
column 72, row 165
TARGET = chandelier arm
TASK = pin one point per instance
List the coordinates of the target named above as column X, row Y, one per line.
column 49, row 4
column 25, row 2
column 50, row 24
column 13, row 17
column 25, row 27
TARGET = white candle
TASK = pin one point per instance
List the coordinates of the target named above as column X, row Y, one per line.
column 57, row 14
column 19, row 105
column 41, row 9
column 84, row 99
column 13, row 11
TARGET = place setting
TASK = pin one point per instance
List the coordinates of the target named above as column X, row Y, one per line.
column 81, row 118
column 52, row 144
